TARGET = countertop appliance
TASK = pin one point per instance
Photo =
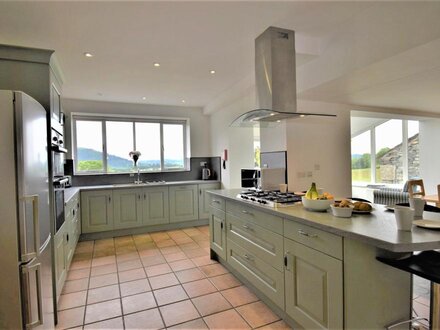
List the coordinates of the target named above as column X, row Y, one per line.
column 206, row 172
column 271, row 198
column 26, row 287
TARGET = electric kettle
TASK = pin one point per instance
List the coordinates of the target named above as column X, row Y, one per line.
column 206, row 173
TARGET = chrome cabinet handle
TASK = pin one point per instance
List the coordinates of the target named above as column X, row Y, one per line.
column 302, row 232
column 216, row 201
column 246, row 212
column 248, row 257
column 247, row 227
column 27, row 295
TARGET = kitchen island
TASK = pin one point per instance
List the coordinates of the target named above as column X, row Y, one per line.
column 316, row 270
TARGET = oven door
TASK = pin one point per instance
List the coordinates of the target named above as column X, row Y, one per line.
column 58, row 163
column 59, row 208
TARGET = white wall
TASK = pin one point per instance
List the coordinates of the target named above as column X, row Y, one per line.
column 429, row 140
column 199, row 122
column 320, row 142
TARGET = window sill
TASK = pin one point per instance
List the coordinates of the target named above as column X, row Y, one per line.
column 130, row 173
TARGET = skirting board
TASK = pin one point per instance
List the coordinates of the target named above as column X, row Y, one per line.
column 142, row 230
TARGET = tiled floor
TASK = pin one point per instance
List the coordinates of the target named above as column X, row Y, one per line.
column 421, row 299
column 156, row 281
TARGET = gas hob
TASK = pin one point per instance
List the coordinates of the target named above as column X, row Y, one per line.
column 271, row 198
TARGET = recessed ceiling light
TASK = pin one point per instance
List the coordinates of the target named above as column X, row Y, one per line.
column 272, row 114
column 156, row 64
column 212, row 72
column 302, row 116
column 88, row 54
column 183, row 101
column 144, row 98
column 278, row 121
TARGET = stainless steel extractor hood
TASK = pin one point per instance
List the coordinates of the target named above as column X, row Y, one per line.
column 275, row 80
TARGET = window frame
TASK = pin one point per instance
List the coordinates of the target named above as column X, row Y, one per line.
column 185, row 122
column 405, row 164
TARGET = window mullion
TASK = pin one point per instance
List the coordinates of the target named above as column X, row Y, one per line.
column 134, row 136
column 405, row 165
column 373, row 155
column 162, row 161
column 104, row 147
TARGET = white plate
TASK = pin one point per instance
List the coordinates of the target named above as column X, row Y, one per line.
column 362, row 212
column 390, row 207
column 431, row 224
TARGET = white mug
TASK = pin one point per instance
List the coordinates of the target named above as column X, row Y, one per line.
column 418, row 204
column 404, row 217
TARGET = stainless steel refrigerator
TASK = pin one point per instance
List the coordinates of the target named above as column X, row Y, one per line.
column 26, row 290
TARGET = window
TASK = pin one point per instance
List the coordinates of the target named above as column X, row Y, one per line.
column 103, row 144
column 386, row 152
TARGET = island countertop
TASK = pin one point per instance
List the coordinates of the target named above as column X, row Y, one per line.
column 378, row 228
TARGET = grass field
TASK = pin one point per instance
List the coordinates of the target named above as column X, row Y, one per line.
column 363, row 175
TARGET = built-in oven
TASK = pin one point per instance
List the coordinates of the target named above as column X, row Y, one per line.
column 58, row 154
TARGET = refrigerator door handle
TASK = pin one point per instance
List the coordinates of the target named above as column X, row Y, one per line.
column 36, row 228
column 27, row 295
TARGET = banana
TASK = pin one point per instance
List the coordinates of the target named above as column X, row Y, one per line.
column 312, row 193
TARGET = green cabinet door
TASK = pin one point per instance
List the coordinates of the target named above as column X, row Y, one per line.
column 184, row 203
column 155, row 206
column 313, row 287
column 217, row 232
column 96, row 211
column 204, row 198
column 127, row 208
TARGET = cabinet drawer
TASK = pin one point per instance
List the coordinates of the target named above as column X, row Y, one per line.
column 316, row 239
column 261, row 242
column 264, row 277
column 217, row 202
column 249, row 213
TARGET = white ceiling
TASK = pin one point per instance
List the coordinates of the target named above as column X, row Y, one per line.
column 369, row 53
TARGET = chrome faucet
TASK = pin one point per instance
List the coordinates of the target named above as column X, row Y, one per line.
column 138, row 181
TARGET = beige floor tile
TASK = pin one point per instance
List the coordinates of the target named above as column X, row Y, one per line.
column 146, row 246
column 170, row 295
column 257, row 314
column 183, row 240
column 191, row 325
column 82, row 256
column 203, row 261
column 153, row 260
column 104, row 242
column 115, row 323
column 189, row 246
column 103, row 270
column 149, row 319
column 179, row 312
column 176, row 233
column 225, row 281
column 159, row 236
column 211, row 303
column 123, row 240
column 165, row 243
column 78, row 274
column 131, row 275
column 102, row 294
column 150, row 252
column 126, row 250
column 70, row 300
column 138, row 302
column 175, row 256
column 162, row 281
column 276, row 325
column 213, row 270
column 170, row 249
column 239, row 296
column 131, row 264
column 127, row 257
column 195, row 253
column 75, row 285
column 70, row 318
column 204, row 244
column 229, row 319
column 199, row 288
column 80, row 264
column 103, row 261
column 181, row 265
column 104, row 253
column 134, row 287
column 200, row 238
column 103, row 280
column 189, row 275
column 85, row 246
column 142, row 238
column 103, row 310
column 191, row 231
column 158, row 270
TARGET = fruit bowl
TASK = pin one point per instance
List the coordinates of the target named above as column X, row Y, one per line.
column 342, row 212
column 316, row 204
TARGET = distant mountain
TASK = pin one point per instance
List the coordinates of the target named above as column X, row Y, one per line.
column 118, row 163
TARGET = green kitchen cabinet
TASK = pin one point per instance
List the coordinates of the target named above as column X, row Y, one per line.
column 184, row 203
column 204, row 199
column 127, row 208
column 217, row 232
column 155, row 207
column 313, row 287
column 96, row 211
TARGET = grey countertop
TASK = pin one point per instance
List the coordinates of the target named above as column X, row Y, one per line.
column 70, row 192
column 377, row 229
